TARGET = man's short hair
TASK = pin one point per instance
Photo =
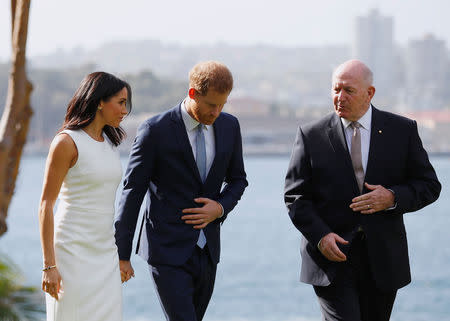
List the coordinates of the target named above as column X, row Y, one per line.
column 364, row 71
column 210, row 75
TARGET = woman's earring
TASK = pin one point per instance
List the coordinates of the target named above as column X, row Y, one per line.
column 99, row 107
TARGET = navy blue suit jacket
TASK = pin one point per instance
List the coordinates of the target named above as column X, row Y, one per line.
column 320, row 185
column 162, row 156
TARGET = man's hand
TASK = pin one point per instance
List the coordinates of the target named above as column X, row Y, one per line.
column 126, row 270
column 377, row 200
column 328, row 247
column 202, row 215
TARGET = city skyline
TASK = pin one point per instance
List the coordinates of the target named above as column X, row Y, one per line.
column 66, row 25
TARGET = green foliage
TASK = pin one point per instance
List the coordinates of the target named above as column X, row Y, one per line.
column 17, row 303
column 153, row 94
column 53, row 90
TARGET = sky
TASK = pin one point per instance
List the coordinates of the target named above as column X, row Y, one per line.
column 66, row 24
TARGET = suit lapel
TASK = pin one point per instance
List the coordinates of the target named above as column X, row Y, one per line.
column 377, row 129
column 339, row 143
column 179, row 129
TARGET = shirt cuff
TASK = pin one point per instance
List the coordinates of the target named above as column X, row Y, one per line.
column 393, row 207
column 223, row 211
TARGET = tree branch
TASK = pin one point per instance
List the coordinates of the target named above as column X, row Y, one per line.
column 17, row 113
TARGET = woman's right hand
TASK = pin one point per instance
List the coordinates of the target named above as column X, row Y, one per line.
column 51, row 282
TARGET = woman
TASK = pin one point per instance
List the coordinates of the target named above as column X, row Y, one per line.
column 81, row 268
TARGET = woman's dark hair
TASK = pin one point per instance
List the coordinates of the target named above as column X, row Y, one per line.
column 94, row 88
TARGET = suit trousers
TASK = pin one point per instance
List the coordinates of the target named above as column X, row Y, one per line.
column 184, row 291
column 353, row 295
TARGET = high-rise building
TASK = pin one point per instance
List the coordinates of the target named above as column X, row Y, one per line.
column 373, row 44
column 426, row 73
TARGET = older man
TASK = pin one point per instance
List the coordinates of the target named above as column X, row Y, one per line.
column 352, row 176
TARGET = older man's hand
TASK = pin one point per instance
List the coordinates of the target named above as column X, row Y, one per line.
column 377, row 200
column 329, row 248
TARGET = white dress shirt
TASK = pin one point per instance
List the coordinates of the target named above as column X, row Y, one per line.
column 208, row 130
column 365, row 122
column 210, row 143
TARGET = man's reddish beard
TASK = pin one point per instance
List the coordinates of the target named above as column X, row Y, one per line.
column 207, row 120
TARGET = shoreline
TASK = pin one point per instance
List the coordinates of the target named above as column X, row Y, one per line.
column 253, row 153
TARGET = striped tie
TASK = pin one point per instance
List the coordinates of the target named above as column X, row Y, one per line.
column 356, row 155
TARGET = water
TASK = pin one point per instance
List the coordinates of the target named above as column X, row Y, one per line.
column 259, row 270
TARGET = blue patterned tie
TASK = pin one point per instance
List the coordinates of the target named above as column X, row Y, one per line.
column 200, row 157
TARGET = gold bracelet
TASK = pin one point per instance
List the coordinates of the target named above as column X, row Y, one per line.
column 48, row 268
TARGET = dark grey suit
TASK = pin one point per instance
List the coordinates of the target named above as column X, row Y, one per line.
column 320, row 185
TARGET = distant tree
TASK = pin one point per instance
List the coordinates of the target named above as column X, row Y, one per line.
column 17, row 112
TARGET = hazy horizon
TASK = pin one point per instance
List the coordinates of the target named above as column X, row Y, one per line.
column 286, row 23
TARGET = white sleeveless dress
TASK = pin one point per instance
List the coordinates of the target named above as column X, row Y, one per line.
column 85, row 249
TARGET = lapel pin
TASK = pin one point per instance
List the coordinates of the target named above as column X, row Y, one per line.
column 380, row 131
